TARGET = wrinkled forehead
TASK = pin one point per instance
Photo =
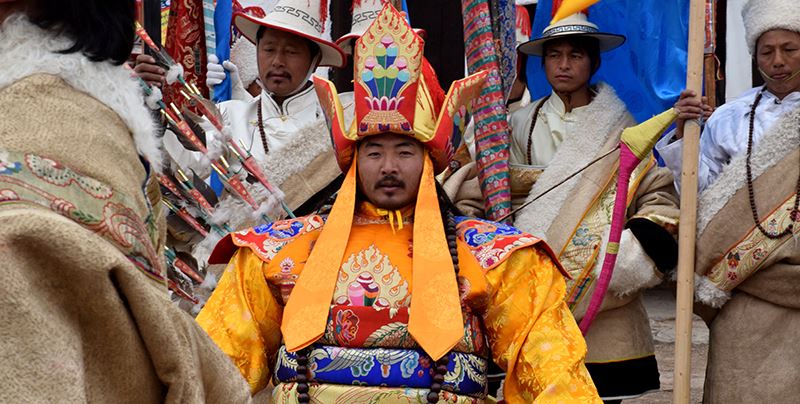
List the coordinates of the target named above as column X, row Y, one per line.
column 280, row 37
column 571, row 44
column 778, row 37
column 389, row 140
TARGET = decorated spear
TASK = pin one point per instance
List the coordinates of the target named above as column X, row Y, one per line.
column 173, row 286
column 176, row 119
column 211, row 113
column 186, row 216
column 181, row 122
column 206, row 207
column 174, row 261
column 174, row 70
column 636, row 143
column 187, row 186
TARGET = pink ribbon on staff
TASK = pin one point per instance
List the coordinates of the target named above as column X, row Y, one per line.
column 636, row 143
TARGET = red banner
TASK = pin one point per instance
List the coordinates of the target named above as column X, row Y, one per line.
column 186, row 44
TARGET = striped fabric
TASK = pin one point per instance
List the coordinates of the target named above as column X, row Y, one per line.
column 491, row 127
column 208, row 20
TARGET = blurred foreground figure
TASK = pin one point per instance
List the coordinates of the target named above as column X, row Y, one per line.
column 83, row 296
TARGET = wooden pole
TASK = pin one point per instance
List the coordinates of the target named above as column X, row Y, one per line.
column 688, row 218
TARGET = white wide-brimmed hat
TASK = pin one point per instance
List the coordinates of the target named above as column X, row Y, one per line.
column 364, row 12
column 294, row 17
column 575, row 25
column 761, row 16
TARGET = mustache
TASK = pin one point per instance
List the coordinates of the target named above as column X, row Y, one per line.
column 390, row 181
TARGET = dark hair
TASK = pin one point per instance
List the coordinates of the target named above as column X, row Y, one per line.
column 587, row 44
column 102, row 29
column 313, row 48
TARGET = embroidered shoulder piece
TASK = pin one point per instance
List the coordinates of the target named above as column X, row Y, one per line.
column 268, row 239
column 37, row 180
column 492, row 243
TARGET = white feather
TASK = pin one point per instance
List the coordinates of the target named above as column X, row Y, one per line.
column 153, row 99
column 173, row 73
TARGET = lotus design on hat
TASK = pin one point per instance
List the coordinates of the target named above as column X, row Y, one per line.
column 385, row 74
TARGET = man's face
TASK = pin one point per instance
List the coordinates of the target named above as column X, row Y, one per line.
column 778, row 55
column 389, row 169
column 567, row 68
column 283, row 61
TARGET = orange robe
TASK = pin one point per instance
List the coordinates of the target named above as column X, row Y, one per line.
column 512, row 295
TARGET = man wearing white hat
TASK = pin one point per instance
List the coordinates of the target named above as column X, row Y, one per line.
column 747, row 249
column 552, row 138
column 284, row 127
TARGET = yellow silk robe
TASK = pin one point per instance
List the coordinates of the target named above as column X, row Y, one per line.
column 512, row 295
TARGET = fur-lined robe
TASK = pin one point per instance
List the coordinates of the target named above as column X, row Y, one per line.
column 83, row 300
column 575, row 218
column 753, row 351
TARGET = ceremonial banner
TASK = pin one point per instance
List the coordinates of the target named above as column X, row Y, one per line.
column 164, row 19
column 489, row 110
column 649, row 70
column 186, row 44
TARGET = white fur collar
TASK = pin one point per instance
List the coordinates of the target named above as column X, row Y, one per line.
column 309, row 142
column 777, row 142
column 26, row 49
column 306, row 145
column 600, row 120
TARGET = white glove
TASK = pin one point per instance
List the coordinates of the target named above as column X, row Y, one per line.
column 216, row 71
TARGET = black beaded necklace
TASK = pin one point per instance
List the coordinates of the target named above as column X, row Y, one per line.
column 261, row 125
column 751, row 193
column 534, row 119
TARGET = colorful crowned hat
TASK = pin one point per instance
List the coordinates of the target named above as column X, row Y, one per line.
column 304, row 18
column 574, row 25
column 395, row 91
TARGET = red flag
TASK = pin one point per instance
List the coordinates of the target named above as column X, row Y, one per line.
column 186, row 44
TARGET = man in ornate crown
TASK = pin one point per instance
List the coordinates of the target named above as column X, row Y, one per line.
column 552, row 138
column 747, row 249
column 392, row 297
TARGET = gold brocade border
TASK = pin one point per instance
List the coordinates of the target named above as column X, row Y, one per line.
column 747, row 256
column 579, row 255
column 30, row 179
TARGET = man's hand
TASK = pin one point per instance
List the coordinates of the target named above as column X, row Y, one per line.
column 149, row 71
column 690, row 107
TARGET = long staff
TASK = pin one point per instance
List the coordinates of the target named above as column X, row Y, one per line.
column 688, row 219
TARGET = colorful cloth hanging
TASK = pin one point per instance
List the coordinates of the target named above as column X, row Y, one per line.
column 186, row 44
column 489, row 111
